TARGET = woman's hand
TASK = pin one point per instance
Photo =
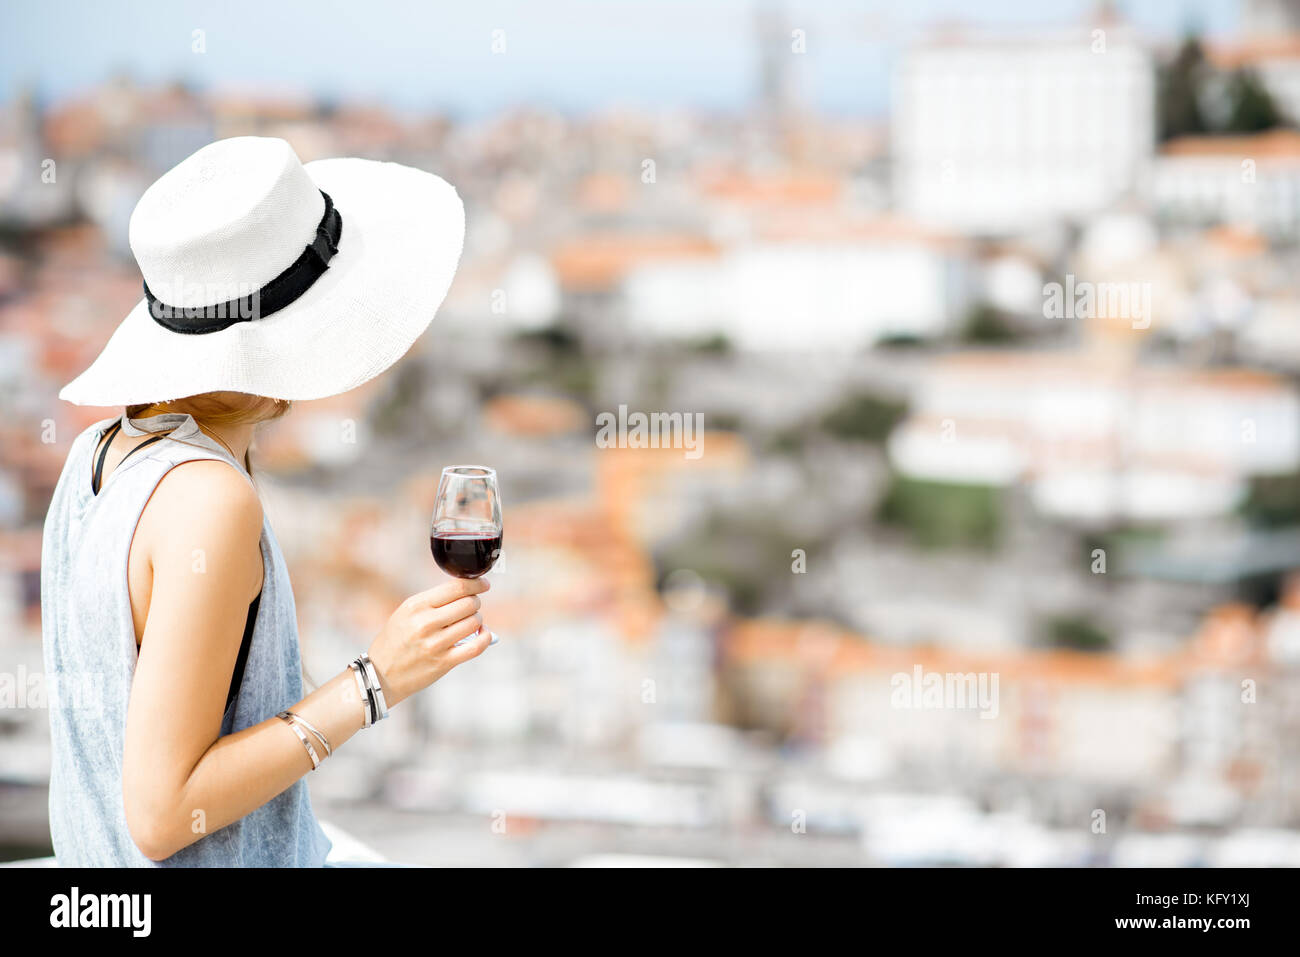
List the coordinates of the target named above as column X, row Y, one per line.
column 416, row 647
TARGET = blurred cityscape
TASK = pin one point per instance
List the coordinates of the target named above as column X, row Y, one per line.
column 1001, row 395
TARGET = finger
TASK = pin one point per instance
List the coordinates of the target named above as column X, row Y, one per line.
column 448, row 592
column 456, row 631
column 471, row 649
column 436, row 618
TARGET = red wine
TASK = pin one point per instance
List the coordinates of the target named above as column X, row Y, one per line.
column 465, row 554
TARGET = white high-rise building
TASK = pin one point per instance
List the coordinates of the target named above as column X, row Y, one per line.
column 995, row 134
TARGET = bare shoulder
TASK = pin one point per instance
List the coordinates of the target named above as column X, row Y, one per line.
column 208, row 491
column 204, row 504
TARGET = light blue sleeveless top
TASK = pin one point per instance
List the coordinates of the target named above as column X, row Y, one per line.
column 90, row 655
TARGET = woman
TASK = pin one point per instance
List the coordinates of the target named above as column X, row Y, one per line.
column 163, row 587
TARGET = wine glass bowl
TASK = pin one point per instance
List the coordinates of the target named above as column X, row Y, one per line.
column 465, row 534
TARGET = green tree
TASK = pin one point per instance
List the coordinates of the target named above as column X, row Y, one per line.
column 746, row 554
column 1077, row 633
column 942, row 514
column 985, row 324
column 863, row 417
column 1178, row 104
column 1273, row 501
column 717, row 344
column 1253, row 108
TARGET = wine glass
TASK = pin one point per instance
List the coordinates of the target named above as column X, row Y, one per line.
column 466, row 533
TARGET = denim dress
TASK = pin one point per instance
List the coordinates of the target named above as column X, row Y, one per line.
column 90, row 654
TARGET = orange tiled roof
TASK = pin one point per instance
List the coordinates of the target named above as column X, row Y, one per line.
column 74, row 129
column 784, row 189
column 1236, row 241
column 603, row 192
column 791, row 642
column 1056, row 366
column 20, row 550
column 599, row 261
column 232, row 103
column 1229, row 635
column 534, row 415
column 1230, row 56
column 1280, row 143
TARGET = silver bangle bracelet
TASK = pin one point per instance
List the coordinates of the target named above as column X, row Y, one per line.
column 375, row 687
column 314, row 730
column 360, row 665
column 287, row 718
column 366, row 707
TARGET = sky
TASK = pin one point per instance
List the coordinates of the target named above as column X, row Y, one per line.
column 571, row 55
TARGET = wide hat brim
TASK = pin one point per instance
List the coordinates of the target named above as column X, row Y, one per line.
column 403, row 231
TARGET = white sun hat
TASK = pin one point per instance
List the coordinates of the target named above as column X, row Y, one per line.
column 274, row 278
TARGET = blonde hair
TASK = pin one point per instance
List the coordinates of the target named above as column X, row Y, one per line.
column 218, row 408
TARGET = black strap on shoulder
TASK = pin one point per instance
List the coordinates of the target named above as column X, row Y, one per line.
column 156, row 438
column 107, row 440
column 99, row 466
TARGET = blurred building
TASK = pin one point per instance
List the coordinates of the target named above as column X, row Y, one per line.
column 995, row 134
column 1095, row 442
column 856, row 285
column 1250, row 181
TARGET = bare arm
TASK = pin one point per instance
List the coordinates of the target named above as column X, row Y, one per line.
column 180, row 779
